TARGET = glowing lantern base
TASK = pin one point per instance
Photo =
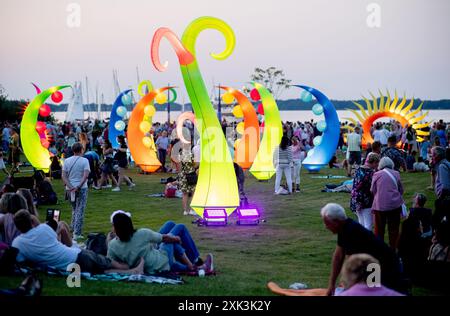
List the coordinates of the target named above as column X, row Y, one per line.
column 262, row 175
column 215, row 217
column 149, row 168
column 313, row 168
column 248, row 216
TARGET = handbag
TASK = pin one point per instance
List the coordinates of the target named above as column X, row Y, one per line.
column 67, row 193
column 405, row 211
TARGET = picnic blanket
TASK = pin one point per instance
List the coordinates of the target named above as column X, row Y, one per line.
column 164, row 278
column 330, row 176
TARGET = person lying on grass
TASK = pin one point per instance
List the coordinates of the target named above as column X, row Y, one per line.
column 40, row 246
column 170, row 249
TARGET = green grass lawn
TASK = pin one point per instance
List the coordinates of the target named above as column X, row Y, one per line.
column 291, row 245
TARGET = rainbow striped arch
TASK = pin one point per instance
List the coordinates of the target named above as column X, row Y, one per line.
column 386, row 107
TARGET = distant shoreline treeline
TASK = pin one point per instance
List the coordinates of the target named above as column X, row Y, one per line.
column 283, row 105
column 12, row 109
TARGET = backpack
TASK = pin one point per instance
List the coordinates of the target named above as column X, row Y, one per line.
column 170, row 192
column 7, row 258
column 96, row 242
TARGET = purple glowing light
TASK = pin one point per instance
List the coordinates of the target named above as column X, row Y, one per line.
column 248, row 216
column 215, row 217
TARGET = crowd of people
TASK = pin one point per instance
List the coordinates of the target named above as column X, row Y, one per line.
column 84, row 158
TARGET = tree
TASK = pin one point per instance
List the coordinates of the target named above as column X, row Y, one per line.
column 273, row 79
column 2, row 94
column 9, row 109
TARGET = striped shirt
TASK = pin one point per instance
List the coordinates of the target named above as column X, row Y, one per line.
column 354, row 142
column 283, row 157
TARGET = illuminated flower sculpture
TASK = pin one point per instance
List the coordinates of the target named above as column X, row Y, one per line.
column 116, row 121
column 216, row 185
column 140, row 141
column 262, row 168
column 326, row 144
column 247, row 146
column 390, row 109
column 33, row 132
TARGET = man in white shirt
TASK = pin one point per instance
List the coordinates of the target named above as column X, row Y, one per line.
column 40, row 246
column 75, row 173
column 381, row 135
column 354, row 149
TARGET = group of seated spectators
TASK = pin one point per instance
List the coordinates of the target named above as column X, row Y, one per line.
column 130, row 251
column 421, row 259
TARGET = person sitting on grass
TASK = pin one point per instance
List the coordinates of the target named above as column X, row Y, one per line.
column 28, row 196
column 356, row 275
column 40, row 246
column 420, row 166
column 410, row 161
column 423, row 215
column 353, row 238
column 415, row 237
column 45, row 193
column 170, row 249
column 10, row 204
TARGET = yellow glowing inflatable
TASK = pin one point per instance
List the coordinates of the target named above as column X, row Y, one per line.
column 216, row 185
column 392, row 109
column 140, row 141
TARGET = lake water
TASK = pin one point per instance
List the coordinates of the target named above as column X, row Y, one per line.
column 292, row 116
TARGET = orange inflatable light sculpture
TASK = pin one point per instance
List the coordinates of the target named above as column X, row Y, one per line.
column 247, row 146
column 140, row 141
column 389, row 109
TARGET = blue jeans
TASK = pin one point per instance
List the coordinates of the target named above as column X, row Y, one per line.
column 175, row 251
column 162, row 158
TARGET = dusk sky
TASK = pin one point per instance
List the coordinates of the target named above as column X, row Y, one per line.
column 324, row 44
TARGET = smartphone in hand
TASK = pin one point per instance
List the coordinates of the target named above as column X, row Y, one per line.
column 53, row 214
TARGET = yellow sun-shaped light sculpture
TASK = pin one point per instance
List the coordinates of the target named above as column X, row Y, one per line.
column 385, row 107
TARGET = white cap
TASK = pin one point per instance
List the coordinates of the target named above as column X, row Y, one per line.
column 119, row 212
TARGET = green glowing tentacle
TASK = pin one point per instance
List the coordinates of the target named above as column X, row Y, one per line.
column 38, row 156
column 262, row 167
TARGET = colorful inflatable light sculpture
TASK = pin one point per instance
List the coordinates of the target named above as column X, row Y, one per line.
column 216, row 185
column 247, row 146
column 262, row 167
column 391, row 109
column 33, row 145
column 325, row 145
column 140, row 141
column 116, row 121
